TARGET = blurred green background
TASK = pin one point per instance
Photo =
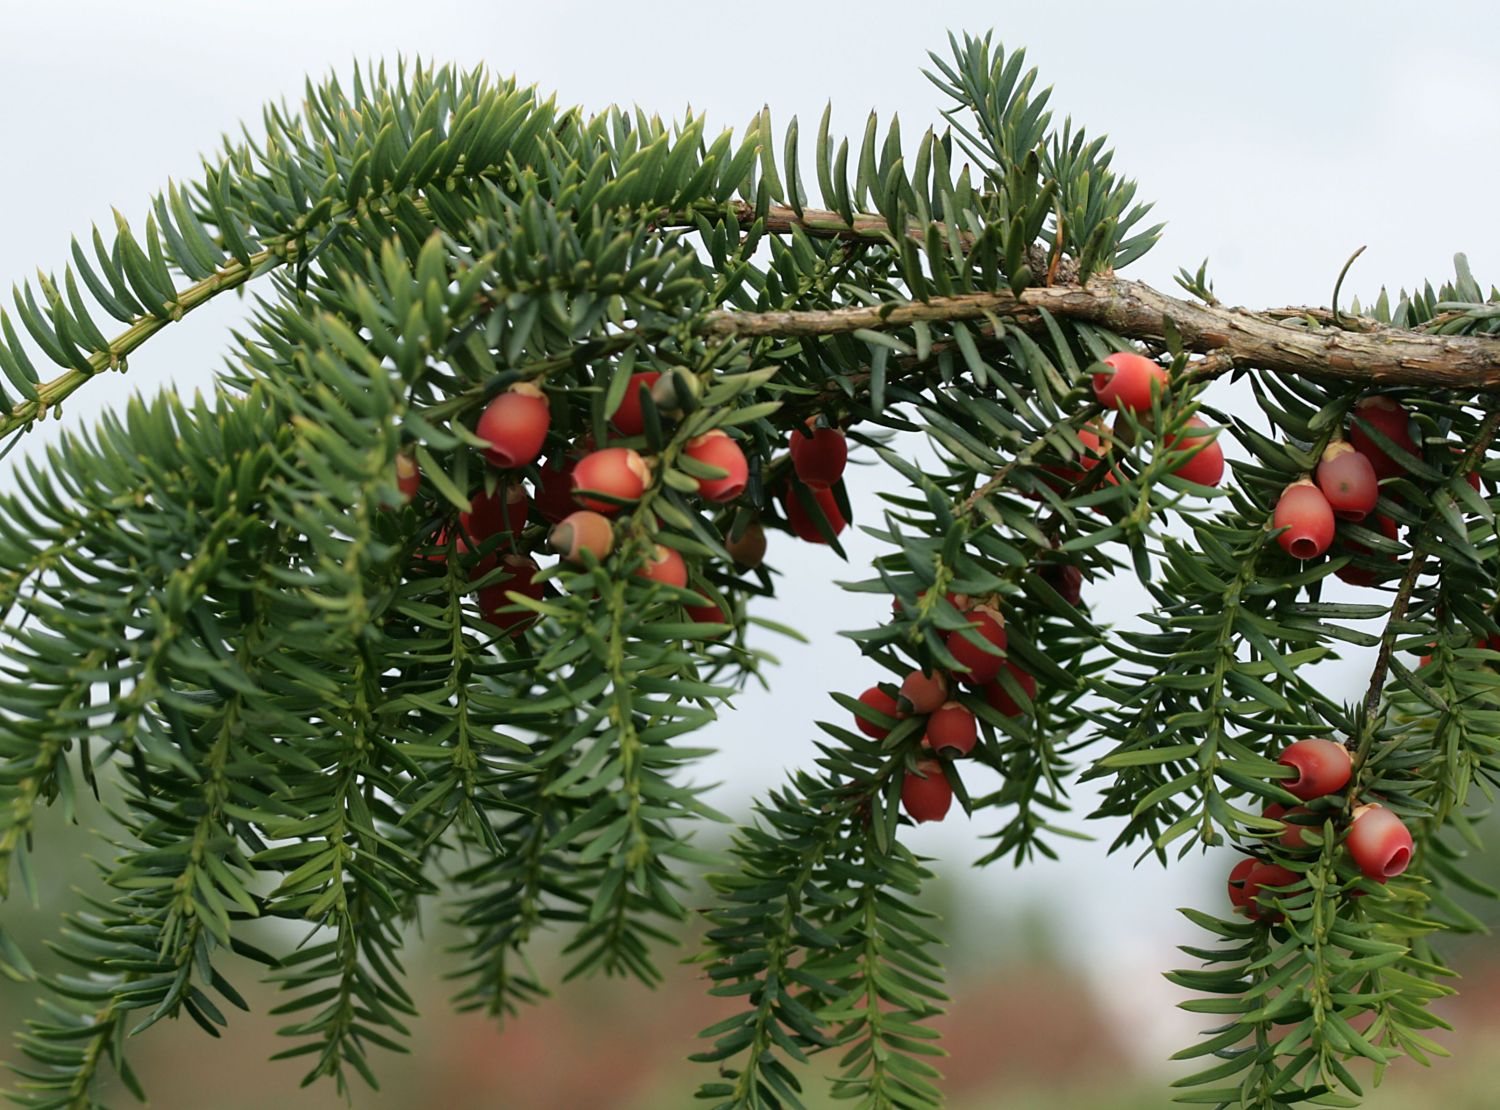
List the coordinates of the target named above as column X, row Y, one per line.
column 1028, row 1029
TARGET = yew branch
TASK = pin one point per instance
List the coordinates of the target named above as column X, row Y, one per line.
column 1365, row 352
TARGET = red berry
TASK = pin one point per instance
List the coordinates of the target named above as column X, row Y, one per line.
column 925, row 793
column 498, row 609
column 999, row 698
column 582, row 531
column 1263, row 875
column 952, row 731
column 749, row 550
column 978, row 665
column 665, row 565
column 1307, row 519
column 615, row 472
column 408, row 476
column 1322, row 767
column 1393, row 422
column 718, row 448
column 627, row 418
column 819, row 457
column 1095, row 450
column 1237, row 875
column 503, row 511
column 1347, row 479
column 709, row 613
column 878, row 700
column 554, row 493
column 1066, row 579
column 958, row 601
column 1207, row 466
column 802, row 522
column 1131, row 382
column 515, row 425
column 922, row 693
column 1363, row 576
column 1297, row 822
column 1378, row 842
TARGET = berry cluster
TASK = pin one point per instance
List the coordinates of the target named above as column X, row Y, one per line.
column 1131, row 385
column 580, row 490
column 1345, row 487
column 950, row 728
column 1377, row 841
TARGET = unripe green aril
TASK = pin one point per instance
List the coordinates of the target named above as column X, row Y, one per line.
column 676, row 392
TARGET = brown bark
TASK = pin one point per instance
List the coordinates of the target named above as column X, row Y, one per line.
column 1284, row 341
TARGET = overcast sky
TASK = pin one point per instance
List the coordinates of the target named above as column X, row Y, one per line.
column 1275, row 139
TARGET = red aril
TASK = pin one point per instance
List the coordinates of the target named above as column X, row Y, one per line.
column 979, row 665
column 1389, row 419
column 877, row 699
column 925, row 793
column 1001, row 699
column 819, row 456
column 922, row 693
column 1322, row 766
column 627, row 419
column 1206, row 467
column 802, row 522
column 1347, row 479
column 1130, row 382
column 1305, row 520
column 617, row 473
column 665, row 565
column 718, row 448
column 515, row 425
column 1378, row 842
column 952, row 731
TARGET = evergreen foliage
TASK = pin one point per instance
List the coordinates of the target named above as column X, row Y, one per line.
column 226, row 604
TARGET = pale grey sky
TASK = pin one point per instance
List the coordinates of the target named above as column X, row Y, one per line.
column 1274, row 137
